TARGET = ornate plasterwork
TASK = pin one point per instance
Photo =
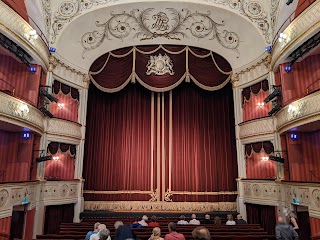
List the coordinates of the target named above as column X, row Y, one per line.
column 160, row 206
column 68, row 10
column 160, row 65
column 59, row 128
column 270, row 193
column 252, row 130
column 299, row 112
column 149, row 24
column 15, row 111
column 299, row 30
column 274, row 15
column 46, row 9
column 13, row 25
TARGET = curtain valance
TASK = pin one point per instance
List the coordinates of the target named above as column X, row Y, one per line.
column 65, row 89
column 255, row 89
column 266, row 146
column 55, row 147
column 160, row 68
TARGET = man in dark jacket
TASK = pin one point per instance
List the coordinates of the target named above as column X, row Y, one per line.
column 284, row 231
column 240, row 220
column 122, row 232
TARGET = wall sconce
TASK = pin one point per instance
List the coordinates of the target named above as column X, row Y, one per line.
column 60, row 105
column 32, row 35
column 55, row 158
column 261, row 104
column 264, row 159
column 282, row 37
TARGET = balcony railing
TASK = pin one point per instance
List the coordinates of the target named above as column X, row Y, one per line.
column 6, row 87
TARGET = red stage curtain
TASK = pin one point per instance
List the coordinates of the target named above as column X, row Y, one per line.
column 5, row 224
column 304, row 154
column 117, row 149
column 55, row 215
column 203, row 143
column 304, row 78
column 113, row 71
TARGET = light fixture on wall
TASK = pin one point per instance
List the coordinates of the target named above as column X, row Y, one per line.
column 288, row 68
column 25, row 135
column 33, row 34
column 32, row 69
column 52, row 49
column 268, row 49
column 293, row 136
column 283, row 37
column 264, row 159
column 56, row 158
column 61, row 105
column 260, row 104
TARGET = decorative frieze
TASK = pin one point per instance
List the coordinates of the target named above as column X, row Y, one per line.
column 64, row 130
column 256, row 130
column 300, row 112
column 270, row 193
column 160, row 206
column 15, row 111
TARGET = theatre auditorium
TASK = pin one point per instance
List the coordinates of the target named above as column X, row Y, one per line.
column 152, row 119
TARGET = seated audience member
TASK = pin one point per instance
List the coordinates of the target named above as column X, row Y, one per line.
column 102, row 227
column 156, row 234
column 95, row 231
column 154, row 222
column 240, row 220
column 207, row 219
column 143, row 221
column 217, row 220
column 104, row 234
column 173, row 235
column 122, row 232
column 194, row 220
column 201, row 233
column 285, row 231
column 230, row 220
column 182, row 220
column 135, row 224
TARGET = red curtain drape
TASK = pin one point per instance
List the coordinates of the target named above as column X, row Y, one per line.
column 257, row 167
column 304, row 78
column 55, row 215
column 315, row 226
column 303, row 155
column 203, row 143
column 17, row 74
column 262, row 214
column 117, row 149
column 5, row 224
column 61, row 168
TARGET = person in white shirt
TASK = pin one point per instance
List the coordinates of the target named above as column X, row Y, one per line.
column 194, row 220
column 182, row 220
column 143, row 221
column 230, row 220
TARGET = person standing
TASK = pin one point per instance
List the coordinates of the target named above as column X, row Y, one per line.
column 284, row 231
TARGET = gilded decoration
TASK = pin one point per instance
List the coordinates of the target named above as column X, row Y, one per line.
column 154, row 196
column 167, row 196
column 149, row 24
column 160, row 206
column 160, row 65
column 18, row 109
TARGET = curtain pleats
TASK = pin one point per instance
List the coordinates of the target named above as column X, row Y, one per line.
column 62, row 168
column 315, row 226
column 5, row 224
column 258, row 168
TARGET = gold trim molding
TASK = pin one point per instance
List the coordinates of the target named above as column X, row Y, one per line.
column 160, row 206
column 300, row 112
column 256, row 130
column 281, row 194
column 18, row 112
column 14, row 26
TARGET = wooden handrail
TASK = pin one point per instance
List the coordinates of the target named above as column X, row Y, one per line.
column 12, row 87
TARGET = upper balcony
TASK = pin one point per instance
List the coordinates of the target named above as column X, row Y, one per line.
column 299, row 30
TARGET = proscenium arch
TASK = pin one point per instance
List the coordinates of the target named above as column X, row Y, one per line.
column 210, row 27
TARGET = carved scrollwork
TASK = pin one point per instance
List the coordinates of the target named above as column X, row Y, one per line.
column 256, row 189
column 154, row 196
column 167, row 196
column 4, row 195
column 316, row 197
column 64, row 190
column 149, row 24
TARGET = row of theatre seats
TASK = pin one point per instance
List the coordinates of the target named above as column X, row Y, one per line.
column 70, row 231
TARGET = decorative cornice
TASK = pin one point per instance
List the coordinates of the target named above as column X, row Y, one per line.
column 63, row 130
column 49, row 192
column 254, row 130
column 68, row 67
column 300, row 112
column 46, row 9
column 13, row 25
column 299, row 30
column 279, row 193
column 15, row 111
column 160, row 206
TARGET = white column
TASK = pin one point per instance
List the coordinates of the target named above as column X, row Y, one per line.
column 43, row 146
column 241, row 207
column 82, row 116
column 277, row 147
column 38, row 220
